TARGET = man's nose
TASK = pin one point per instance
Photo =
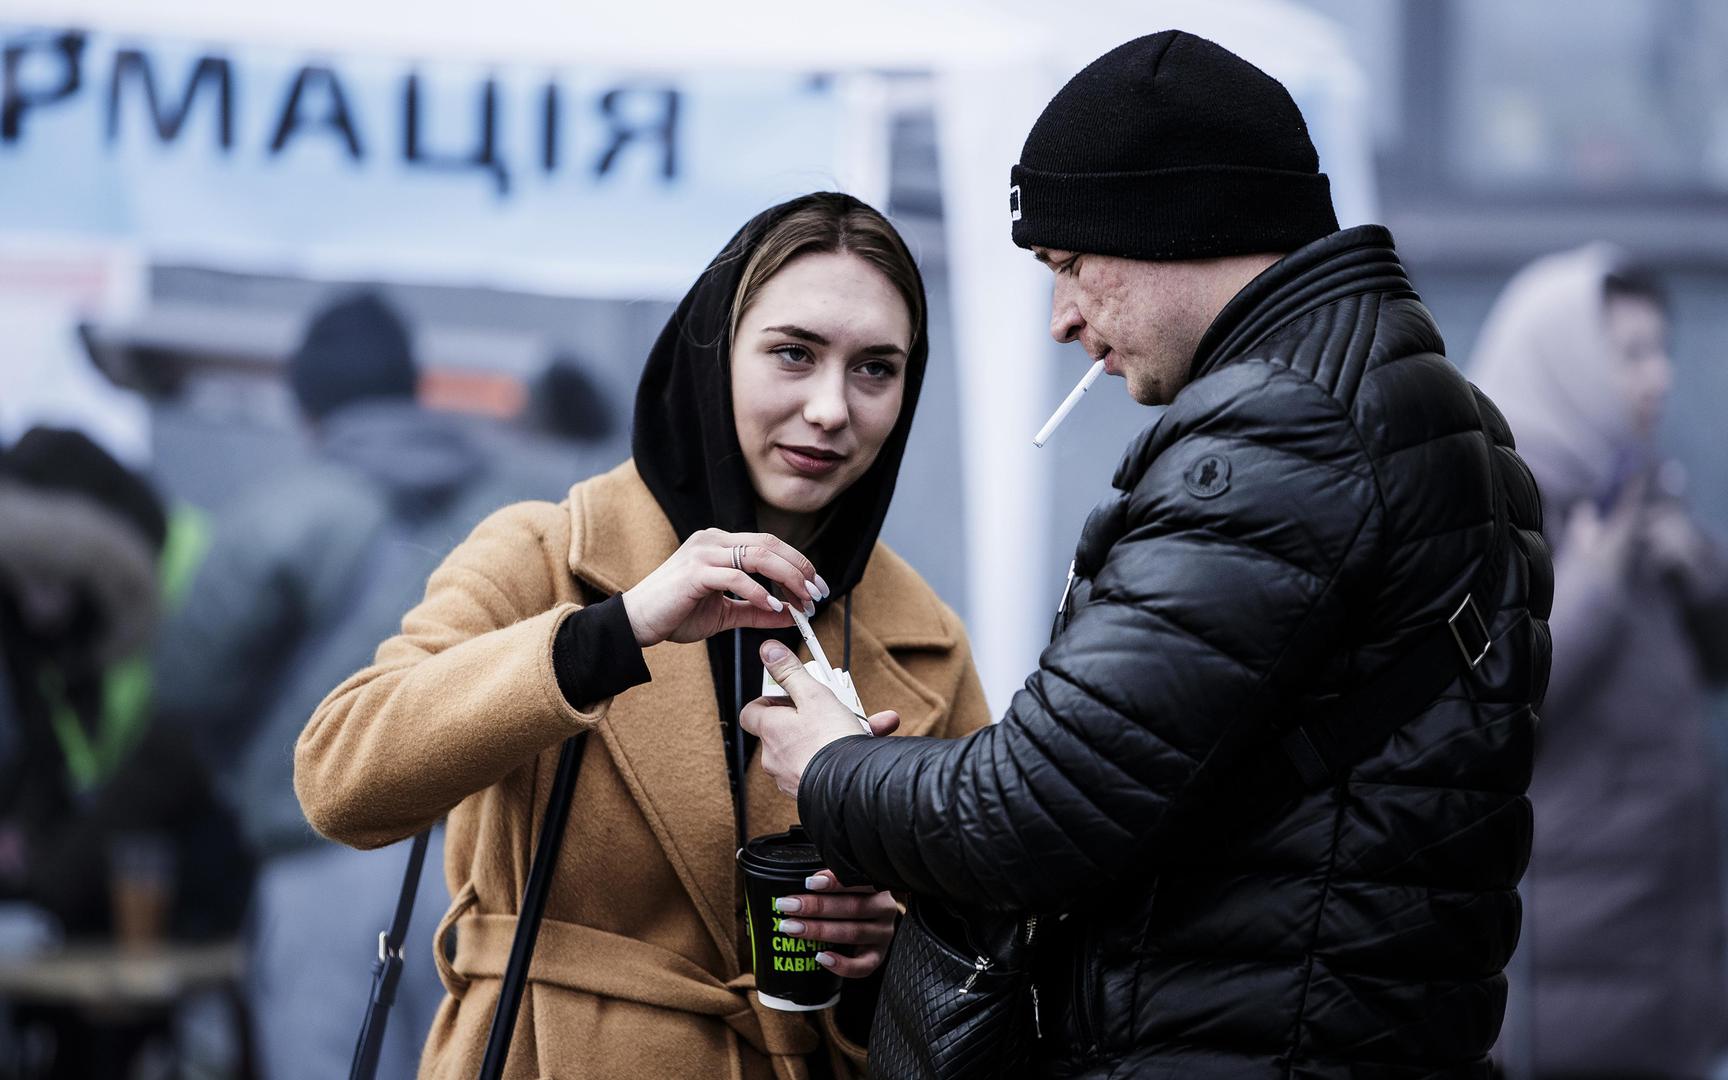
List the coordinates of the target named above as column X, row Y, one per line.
column 1065, row 319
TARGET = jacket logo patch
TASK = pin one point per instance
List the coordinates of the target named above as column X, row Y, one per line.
column 1209, row 477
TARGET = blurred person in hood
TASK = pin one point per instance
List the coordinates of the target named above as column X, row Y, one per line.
column 1620, row 969
column 307, row 571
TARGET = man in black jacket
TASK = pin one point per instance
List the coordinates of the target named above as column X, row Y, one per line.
column 1264, row 772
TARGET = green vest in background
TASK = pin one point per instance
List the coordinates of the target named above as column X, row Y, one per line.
column 93, row 758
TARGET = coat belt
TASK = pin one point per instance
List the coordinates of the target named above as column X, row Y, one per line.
column 591, row 961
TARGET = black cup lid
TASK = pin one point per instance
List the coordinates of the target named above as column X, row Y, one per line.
column 790, row 852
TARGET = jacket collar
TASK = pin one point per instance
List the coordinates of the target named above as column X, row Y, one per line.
column 1346, row 263
column 663, row 735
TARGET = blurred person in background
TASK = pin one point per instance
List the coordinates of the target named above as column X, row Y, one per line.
column 94, row 795
column 771, row 421
column 307, row 572
column 1621, row 963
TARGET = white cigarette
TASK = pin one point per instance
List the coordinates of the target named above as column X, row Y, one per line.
column 1068, row 403
column 815, row 646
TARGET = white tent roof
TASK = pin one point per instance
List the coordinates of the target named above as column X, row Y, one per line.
column 804, row 34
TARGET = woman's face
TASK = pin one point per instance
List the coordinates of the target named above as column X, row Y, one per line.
column 818, row 374
column 1638, row 335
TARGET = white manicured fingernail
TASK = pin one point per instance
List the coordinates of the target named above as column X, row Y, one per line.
column 823, row 585
column 816, row 883
column 809, row 609
column 774, row 603
column 791, row 926
column 825, row 959
column 813, row 589
column 787, row 905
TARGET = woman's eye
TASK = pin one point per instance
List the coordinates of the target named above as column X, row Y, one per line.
column 877, row 369
column 792, row 354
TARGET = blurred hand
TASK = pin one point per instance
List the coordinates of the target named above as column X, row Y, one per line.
column 791, row 735
column 860, row 916
column 1675, row 545
column 685, row 599
column 1607, row 543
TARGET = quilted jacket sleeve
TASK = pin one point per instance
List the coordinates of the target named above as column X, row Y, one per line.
column 1159, row 680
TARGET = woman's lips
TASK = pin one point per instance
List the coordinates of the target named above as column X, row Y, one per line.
column 807, row 463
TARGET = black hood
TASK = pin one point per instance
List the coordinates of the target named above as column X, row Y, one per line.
column 686, row 441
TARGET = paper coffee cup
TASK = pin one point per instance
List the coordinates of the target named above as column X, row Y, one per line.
column 788, row 977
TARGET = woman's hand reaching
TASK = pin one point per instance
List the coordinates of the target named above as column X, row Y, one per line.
column 685, row 599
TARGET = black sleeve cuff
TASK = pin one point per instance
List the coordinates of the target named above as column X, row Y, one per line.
column 822, row 807
column 595, row 654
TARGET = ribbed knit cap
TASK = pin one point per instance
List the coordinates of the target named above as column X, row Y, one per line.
column 1170, row 147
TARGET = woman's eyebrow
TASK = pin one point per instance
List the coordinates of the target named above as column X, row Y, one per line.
column 798, row 332
column 817, row 339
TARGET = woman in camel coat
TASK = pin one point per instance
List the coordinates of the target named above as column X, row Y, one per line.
column 777, row 399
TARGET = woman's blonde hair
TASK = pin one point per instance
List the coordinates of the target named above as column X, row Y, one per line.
column 830, row 223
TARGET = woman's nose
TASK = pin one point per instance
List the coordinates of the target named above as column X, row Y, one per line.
column 826, row 406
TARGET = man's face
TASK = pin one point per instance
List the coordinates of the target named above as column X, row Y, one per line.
column 1143, row 319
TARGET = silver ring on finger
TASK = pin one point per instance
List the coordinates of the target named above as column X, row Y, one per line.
column 738, row 557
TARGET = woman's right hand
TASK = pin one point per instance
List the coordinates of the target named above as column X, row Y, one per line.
column 685, row 599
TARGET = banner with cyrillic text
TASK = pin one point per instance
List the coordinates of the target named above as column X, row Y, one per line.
column 602, row 182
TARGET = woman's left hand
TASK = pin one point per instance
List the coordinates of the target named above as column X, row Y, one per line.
column 861, row 917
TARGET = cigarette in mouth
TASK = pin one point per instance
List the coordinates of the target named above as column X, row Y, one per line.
column 1068, row 403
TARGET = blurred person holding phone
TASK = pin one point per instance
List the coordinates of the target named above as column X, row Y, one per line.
column 1621, row 967
column 771, row 421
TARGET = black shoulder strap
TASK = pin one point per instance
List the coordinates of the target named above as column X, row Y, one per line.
column 387, row 969
column 1344, row 731
column 533, row 907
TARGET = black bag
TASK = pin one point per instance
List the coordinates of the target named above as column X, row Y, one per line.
column 958, row 1001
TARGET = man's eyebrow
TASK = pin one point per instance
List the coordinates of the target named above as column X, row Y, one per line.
column 1041, row 256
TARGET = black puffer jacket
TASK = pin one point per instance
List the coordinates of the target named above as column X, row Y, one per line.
column 1320, row 495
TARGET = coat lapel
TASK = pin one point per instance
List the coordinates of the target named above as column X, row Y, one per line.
column 894, row 614
column 664, row 735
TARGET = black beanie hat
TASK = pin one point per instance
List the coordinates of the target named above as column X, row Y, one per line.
column 1170, row 147
column 64, row 460
column 355, row 348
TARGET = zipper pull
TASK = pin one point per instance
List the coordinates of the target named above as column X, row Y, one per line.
column 1037, row 1021
column 979, row 966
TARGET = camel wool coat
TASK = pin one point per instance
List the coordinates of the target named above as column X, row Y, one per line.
column 641, row 968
